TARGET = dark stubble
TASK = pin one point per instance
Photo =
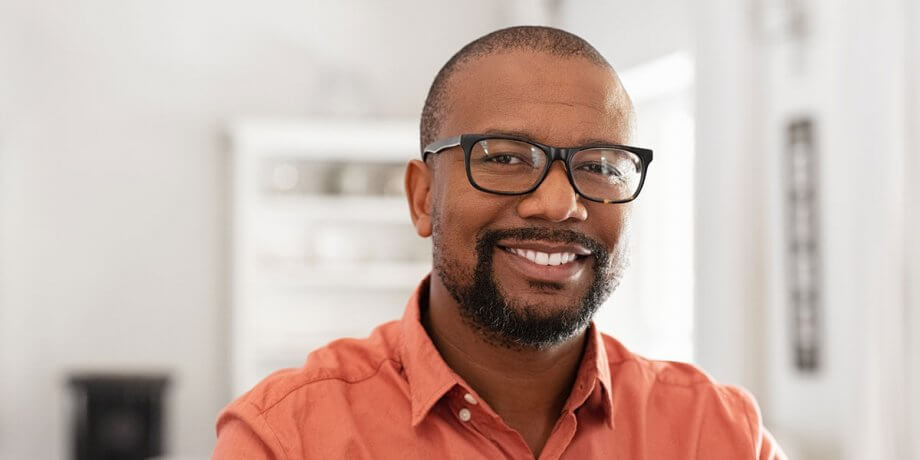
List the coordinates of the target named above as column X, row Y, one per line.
column 514, row 323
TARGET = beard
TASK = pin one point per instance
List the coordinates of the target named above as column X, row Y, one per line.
column 515, row 323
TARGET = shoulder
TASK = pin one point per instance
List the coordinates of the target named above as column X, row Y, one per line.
column 338, row 381
column 339, row 364
column 684, row 392
column 670, row 373
column 666, row 373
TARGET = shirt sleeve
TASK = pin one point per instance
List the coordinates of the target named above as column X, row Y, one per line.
column 243, row 433
column 765, row 445
column 769, row 449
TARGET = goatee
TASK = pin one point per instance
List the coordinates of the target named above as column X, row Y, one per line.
column 514, row 323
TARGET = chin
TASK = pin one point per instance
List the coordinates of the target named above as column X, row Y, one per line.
column 548, row 304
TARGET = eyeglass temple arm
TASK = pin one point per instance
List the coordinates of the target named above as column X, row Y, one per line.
column 442, row 144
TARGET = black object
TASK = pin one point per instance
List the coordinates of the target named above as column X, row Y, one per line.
column 565, row 154
column 118, row 417
column 803, row 243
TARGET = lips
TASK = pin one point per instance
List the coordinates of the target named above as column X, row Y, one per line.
column 545, row 261
column 543, row 258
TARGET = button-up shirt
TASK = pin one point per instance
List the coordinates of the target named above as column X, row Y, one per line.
column 391, row 395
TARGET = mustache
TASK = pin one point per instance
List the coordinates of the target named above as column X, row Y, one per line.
column 488, row 239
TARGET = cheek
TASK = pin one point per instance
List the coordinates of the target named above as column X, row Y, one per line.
column 615, row 229
column 461, row 213
column 463, row 204
column 462, row 217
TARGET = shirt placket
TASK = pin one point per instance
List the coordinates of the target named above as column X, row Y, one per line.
column 477, row 417
column 561, row 436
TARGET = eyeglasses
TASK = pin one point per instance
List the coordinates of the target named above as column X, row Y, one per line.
column 509, row 165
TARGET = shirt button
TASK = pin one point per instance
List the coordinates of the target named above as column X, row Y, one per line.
column 469, row 398
column 464, row 414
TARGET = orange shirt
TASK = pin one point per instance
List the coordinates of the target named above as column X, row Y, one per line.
column 393, row 396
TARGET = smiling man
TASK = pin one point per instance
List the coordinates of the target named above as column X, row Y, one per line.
column 525, row 184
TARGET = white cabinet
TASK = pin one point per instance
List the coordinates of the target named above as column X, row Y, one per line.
column 322, row 243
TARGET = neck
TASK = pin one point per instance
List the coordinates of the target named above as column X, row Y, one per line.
column 522, row 385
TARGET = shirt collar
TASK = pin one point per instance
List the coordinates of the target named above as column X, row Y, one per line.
column 428, row 375
column 430, row 378
column 592, row 383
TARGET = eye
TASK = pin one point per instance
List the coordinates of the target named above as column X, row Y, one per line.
column 604, row 169
column 504, row 158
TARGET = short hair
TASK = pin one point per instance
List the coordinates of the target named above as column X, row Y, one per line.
column 548, row 40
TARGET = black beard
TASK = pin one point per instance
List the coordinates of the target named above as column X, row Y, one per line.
column 514, row 324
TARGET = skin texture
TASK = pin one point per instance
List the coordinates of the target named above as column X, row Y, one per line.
column 557, row 101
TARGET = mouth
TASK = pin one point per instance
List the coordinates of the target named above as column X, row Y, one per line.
column 545, row 261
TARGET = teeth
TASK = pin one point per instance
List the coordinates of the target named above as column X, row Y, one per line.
column 542, row 258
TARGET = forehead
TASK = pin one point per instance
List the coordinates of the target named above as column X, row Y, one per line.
column 556, row 100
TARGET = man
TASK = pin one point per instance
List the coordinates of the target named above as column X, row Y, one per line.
column 496, row 355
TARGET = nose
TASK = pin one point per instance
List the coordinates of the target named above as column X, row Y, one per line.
column 554, row 200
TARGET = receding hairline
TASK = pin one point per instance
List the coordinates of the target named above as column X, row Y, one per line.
column 537, row 39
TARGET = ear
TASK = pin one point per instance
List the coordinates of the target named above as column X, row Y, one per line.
column 418, row 192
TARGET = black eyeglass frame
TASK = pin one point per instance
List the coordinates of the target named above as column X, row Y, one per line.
column 467, row 141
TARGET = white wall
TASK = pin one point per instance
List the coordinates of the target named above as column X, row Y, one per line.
column 852, row 75
column 912, row 215
column 112, row 193
column 630, row 32
column 729, row 258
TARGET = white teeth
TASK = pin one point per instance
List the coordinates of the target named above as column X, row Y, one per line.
column 542, row 258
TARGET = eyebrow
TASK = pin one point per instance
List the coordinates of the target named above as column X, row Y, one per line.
column 528, row 136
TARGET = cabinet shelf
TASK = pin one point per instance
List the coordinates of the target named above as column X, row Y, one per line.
column 377, row 275
column 323, row 244
column 365, row 209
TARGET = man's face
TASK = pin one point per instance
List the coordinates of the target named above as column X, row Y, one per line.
column 484, row 243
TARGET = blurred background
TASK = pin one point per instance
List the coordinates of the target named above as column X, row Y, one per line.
column 193, row 194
